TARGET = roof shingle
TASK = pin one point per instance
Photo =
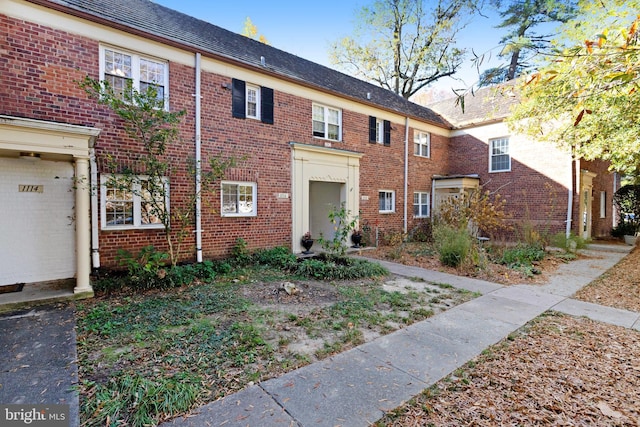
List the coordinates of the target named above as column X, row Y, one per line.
column 204, row 37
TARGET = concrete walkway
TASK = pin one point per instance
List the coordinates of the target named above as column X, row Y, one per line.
column 356, row 387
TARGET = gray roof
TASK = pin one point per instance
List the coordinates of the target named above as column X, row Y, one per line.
column 489, row 104
column 201, row 36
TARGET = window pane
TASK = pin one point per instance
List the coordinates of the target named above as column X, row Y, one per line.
column 318, row 113
column 334, row 132
column 117, row 64
column 151, row 203
column 119, row 206
column 229, row 198
column 252, row 102
column 245, row 199
column 333, row 117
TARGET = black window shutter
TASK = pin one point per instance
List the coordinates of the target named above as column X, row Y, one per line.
column 387, row 133
column 266, row 105
column 372, row 129
column 238, row 99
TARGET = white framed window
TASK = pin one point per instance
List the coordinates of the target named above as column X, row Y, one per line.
column 603, row 204
column 386, row 201
column 379, row 131
column 253, row 101
column 421, row 143
column 327, row 122
column 119, row 68
column 421, row 204
column 238, row 199
column 133, row 202
column 499, row 157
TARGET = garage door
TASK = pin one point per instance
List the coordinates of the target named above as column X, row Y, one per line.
column 36, row 221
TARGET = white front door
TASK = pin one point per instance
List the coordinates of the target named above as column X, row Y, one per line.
column 37, row 225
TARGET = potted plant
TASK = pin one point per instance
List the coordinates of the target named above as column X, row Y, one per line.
column 356, row 238
column 306, row 242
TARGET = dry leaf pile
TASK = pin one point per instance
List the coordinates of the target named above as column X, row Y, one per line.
column 619, row 287
column 558, row 371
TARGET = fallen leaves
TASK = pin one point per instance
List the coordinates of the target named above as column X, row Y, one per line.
column 619, row 287
column 559, row 370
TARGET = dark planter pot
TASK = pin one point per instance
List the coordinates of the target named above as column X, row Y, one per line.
column 356, row 239
column 306, row 244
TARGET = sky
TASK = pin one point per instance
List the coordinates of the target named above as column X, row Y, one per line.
column 307, row 29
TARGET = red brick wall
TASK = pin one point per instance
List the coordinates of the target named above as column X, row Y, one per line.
column 39, row 71
column 603, row 181
column 532, row 197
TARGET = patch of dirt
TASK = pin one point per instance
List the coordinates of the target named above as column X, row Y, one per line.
column 300, row 326
column 560, row 371
column 415, row 254
column 619, row 287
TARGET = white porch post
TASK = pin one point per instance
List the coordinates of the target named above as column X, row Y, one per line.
column 83, row 227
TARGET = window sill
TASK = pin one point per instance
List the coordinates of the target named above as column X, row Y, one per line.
column 132, row 227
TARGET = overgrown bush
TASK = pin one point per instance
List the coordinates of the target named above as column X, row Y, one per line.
column 421, row 232
column 453, row 244
column 278, row 257
column 477, row 212
column 521, row 255
column 569, row 244
column 329, row 267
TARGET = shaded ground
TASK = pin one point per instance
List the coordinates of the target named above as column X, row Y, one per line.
column 558, row 370
column 619, row 287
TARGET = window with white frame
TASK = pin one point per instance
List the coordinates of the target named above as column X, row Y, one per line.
column 386, row 201
column 238, row 199
column 253, row 101
column 133, row 202
column 379, row 131
column 327, row 122
column 421, row 143
column 120, row 69
column 421, row 204
column 499, row 157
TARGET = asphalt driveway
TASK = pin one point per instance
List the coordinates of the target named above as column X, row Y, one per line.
column 38, row 353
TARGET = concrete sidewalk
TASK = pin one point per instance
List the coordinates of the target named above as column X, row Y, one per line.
column 356, row 387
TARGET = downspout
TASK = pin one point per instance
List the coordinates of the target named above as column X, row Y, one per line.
column 406, row 172
column 614, row 210
column 576, row 171
column 95, row 248
column 198, row 164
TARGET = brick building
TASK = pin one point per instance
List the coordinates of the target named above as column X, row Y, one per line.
column 310, row 137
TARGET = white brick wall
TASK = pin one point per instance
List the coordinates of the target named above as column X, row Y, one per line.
column 37, row 231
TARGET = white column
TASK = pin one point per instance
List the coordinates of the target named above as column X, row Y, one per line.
column 83, row 228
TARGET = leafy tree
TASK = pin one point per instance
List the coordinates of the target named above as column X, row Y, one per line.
column 146, row 121
column 251, row 31
column 522, row 18
column 587, row 98
column 402, row 45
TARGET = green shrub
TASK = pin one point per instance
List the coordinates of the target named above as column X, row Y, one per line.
column 240, row 255
column 453, row 245
column 337, row 268
column 569, row 244
column 278, row 257
column 521, row 255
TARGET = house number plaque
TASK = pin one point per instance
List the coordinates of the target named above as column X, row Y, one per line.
column 25, row 188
